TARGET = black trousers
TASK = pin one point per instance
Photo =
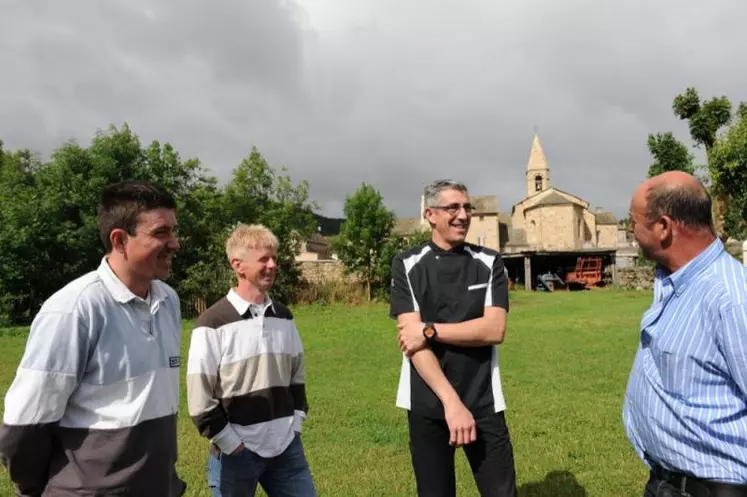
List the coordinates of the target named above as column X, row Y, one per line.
column 490, row 457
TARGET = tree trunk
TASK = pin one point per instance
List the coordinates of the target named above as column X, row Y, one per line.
column 720, row 202
column 720, row 208
column 368, row 288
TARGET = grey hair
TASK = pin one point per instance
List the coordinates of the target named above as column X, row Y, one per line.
column 432, row 191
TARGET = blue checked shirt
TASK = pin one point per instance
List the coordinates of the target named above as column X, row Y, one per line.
column 686, row 403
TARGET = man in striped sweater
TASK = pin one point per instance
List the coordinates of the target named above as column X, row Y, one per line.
column 245, row 379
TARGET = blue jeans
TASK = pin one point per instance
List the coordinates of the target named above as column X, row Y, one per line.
column 285, row 475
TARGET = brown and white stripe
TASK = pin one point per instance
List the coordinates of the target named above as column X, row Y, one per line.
column 246, row 377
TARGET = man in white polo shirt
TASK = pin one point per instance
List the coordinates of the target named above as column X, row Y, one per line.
column 92, row 409
column 246, row 380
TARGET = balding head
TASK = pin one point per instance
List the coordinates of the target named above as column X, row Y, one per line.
column 671, row 218
column 679, row 196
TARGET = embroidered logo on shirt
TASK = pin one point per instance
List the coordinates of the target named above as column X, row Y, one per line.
column 174, row 362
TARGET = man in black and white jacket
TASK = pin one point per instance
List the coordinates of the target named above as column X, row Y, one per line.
column 450, row 299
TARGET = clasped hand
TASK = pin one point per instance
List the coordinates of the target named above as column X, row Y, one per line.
column 411, row 337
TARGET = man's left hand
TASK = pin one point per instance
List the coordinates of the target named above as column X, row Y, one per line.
column 411, row 337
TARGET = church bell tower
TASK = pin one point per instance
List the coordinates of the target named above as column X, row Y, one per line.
column 538, row 173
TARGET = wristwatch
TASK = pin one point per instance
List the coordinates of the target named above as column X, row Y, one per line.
column 429, row 332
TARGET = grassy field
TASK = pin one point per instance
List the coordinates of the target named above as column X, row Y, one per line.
column 564, row 364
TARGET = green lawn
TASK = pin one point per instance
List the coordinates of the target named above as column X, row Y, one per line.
column 564, row 365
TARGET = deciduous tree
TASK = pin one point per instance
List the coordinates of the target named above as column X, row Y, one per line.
column 257, row 193
column 364, row 234
column 728, row 168
column 713, row 128
column 669, row 154
column 48, row 222
column 705, row 119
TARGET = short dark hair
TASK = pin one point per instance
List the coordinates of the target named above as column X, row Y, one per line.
column 686, row 205
column 122, row 203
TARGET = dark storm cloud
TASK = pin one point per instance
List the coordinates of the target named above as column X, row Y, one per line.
column 170, row 69
column 390, row 93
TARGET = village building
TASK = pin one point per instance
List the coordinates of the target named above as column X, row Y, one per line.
column 547, row 233
column 542, row 240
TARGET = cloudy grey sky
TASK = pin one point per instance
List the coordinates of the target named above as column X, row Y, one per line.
column 384, row 91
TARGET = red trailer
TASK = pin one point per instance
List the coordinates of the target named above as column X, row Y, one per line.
column 588, row 273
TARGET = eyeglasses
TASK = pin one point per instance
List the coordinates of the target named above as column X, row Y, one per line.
column 453, row 209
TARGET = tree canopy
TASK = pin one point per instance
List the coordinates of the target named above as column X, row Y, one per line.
column 48, row 225
column 367, row 227
column 720, row 132
column 728, row 168
column 669, row 154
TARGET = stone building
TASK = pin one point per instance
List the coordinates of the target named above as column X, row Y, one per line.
column 318, row 247
column 545, row 232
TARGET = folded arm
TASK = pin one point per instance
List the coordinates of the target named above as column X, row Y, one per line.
column 461, row 423
column 427, row 365
column 490, row 329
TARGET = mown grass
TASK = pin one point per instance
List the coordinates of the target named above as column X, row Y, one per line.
column 564, row 364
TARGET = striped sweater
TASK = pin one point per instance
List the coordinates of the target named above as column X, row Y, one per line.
column 246, row 376
column 92, row 408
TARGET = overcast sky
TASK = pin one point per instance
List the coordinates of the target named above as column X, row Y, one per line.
column 390, row 92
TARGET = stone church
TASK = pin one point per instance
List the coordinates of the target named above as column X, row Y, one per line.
column 548, row 230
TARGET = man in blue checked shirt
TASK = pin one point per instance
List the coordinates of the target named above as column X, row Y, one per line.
column 685, row 409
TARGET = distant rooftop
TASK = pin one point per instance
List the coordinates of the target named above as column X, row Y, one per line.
column 605, row 218
column 328, row 226
column 485, row 203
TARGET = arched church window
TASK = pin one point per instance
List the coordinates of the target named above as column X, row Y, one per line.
column 538, row 183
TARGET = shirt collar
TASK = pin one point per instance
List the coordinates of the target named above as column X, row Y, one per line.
column 119, row 290
column 681, row 278
column 242, row 306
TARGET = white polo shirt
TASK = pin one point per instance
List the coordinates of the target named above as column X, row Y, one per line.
column 103, row 364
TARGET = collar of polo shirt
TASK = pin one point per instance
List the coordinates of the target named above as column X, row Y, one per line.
column 119, row 290
column 242, row 305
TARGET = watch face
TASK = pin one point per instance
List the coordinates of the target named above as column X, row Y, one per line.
column 429, row 332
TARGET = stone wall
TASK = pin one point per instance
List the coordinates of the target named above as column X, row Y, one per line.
column 590, row 227
column 553, row 227
column 636, row 278
column 324, row 271
column 607, row 236
column 484, row 231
